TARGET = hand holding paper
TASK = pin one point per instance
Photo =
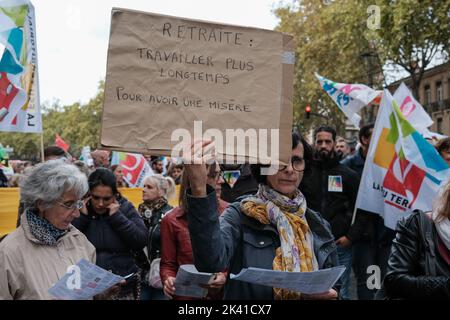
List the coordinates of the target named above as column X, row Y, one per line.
column 317, row 283
column 190, row 283
column 84, row 281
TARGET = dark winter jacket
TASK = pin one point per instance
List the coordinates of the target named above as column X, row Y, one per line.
column 3, row 179
column 419, row 266
column 246, row 184
column 355, row 162
column 115, row 237
column 373, row 229
column 153, row 224
column 237, row 241
column 335, row 206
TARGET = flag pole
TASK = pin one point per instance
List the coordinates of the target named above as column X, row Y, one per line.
column 42, row 146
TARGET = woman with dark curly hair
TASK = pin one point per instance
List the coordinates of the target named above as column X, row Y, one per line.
column 115, row 228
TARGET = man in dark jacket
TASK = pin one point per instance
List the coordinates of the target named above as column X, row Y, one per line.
column 331, row 189
column 244, row 185
column 374, row 245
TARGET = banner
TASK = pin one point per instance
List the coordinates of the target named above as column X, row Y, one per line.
column 9, row 198
column 19, row 84
column 350, row 98
column 415, row 113
column 170, row 80
column 402, row 171
column 135, row 167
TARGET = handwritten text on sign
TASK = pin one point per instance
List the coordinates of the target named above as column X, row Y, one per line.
column 166, row 72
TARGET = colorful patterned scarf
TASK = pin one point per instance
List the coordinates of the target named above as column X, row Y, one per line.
column 42, row 230
column 288, row 215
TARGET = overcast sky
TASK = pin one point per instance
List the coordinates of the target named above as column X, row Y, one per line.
column 72, row 36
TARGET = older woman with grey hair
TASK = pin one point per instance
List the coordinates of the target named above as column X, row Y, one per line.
column 37, row 254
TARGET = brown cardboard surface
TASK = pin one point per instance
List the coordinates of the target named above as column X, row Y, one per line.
column 164, row 73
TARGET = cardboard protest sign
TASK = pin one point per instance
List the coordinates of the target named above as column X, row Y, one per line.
column 168, row 78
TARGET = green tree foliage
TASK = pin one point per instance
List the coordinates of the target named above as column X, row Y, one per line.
column 412, row 33
column 334, row 39
column 331, row 41
column 78, row 125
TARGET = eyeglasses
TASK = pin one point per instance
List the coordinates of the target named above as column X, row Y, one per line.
column 76, row 205
column 298, row 164
column 98, row 198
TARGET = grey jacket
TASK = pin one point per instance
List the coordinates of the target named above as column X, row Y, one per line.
column 237, row 241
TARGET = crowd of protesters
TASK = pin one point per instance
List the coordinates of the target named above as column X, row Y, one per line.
column 294, row 220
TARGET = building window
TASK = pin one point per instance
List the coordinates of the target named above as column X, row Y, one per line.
column 439, row 91
column 427, row 94
column 439, row 125
column 448, row 91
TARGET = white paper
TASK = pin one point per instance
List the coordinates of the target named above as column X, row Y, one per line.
column 94, row 280
column 188, row 281
column 305, row 282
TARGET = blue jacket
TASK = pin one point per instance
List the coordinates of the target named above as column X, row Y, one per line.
column 237, row 241
column 355, row 162
column 115, row 237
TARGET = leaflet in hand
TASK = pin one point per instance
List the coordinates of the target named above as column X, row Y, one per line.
column 188, row 281
column 83, row 282
column 305, row 282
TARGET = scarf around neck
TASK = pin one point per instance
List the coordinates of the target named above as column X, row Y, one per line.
column 42, row 230
column 288, row 215
column 443, row 229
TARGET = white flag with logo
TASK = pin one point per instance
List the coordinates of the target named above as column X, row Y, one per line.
column 350, row 98
column 402, row 171
column 411, row 109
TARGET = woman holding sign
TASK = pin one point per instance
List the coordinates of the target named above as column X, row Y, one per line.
column 271, row 230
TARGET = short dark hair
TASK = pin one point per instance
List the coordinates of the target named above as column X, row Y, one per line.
column 156, row 160
column 296, row 140
column 325, row 128
column 365, row 131
column 54, row 151
column 443, row 145
column 103, row 177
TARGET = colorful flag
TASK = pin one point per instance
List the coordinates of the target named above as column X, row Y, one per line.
column 19, row 85
column 415, row 113
column 411, row 109
column 403, row 171
column 350, row 98
column 135, row 167
column 61, row 143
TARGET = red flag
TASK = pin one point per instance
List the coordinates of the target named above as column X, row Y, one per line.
column 61, row 143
